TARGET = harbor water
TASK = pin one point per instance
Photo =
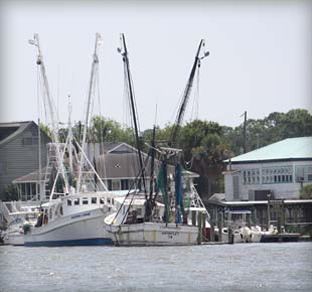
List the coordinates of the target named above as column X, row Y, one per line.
column 239, row 267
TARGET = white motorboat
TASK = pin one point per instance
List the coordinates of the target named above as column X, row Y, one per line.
column 242, row 234
column 238, row 230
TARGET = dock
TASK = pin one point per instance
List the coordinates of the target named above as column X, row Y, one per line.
column 281, row 237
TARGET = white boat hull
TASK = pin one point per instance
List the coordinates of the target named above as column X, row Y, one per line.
column 85, row 228
column 153, row 234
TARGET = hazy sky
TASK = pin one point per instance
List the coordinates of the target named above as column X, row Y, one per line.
column 260, row 57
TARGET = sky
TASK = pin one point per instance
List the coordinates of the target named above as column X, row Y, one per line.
column 260, row 58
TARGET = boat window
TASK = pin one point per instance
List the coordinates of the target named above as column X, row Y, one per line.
column 85, row 201
column 50, row 213
column 76, row 201
column 108, row 201
column 61, row 210
column 69, row 202
column 113, row 201
column 102, row 201
column 93, row 200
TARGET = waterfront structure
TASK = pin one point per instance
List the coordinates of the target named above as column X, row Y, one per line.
column 267, row 182
column 19, row 153
column 279, row 170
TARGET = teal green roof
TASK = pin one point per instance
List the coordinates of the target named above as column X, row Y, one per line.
column 288, row 149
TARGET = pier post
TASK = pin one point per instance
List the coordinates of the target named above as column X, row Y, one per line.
column 203, row 219
column 193, row 218
column 230, row 234
column 269, row 212
column 212, row 235
column 199, row 219
column 220, row 225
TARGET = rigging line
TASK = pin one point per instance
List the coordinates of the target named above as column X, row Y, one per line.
column 137, row 179
column 135, row 105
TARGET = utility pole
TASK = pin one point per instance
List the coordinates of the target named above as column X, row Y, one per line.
column 244, row 131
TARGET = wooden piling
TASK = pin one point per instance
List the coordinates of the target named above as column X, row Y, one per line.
column 199, row 220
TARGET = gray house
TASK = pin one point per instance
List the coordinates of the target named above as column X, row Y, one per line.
column 19, row 150
column 118, row 167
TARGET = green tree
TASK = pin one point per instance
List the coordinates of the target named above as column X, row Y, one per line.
column 204, row 145
column 44, row 128
column 306, row 192
column 10, row 193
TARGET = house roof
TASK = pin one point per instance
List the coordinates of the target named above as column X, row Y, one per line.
column 125, row 165
column 31, row 177
column 288, row 149
column 119, row 162
column 8, row 131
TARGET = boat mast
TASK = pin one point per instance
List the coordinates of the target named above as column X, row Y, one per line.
column 51, row 110
column 124, row 52
column 94, row 69
column 70, row 134
column 187, row 92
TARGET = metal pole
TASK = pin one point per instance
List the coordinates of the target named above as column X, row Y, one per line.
column 269, row 211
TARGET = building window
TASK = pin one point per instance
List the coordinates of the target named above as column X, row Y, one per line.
column 116, row 185
column 304, row 173
column 251, row 176
column 124, row 184
column 109, row 184
column 276, row 175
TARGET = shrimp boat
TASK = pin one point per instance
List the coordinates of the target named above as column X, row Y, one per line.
column 71, row 220
column 79, row 200
column 142, row 220
column 129, row 226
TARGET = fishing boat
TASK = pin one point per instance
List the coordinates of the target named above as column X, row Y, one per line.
column 71, row 220
column 129, row 226
column 140, row 219
column 79, row 200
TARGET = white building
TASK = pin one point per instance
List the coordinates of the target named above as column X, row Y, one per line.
column 279, row 169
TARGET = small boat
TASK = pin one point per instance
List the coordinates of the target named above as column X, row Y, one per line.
column 242, row 235
column 237, row 230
